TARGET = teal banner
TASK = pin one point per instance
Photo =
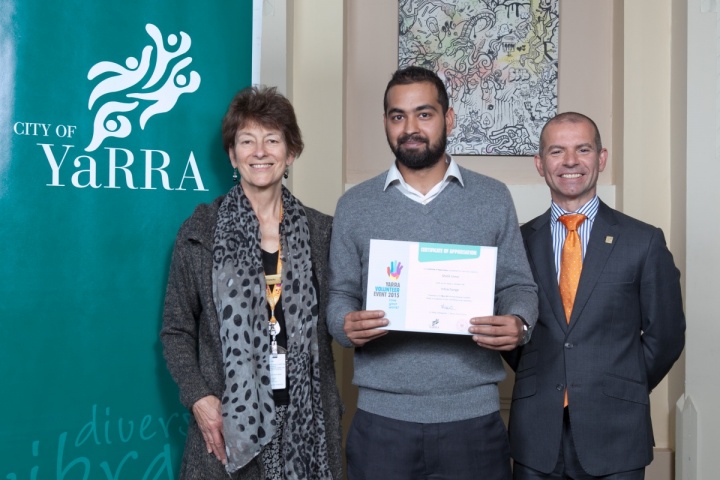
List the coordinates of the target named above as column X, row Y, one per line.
column 109, row 136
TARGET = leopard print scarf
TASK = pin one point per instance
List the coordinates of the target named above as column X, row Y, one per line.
column 239, row 293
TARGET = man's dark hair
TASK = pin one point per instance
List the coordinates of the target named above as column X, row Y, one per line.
column 570, row 117
column 413, row 74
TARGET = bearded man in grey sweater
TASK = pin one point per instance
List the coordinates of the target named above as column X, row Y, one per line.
column 428, row 404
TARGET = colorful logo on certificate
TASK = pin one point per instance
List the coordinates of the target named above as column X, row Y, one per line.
column 394, row 270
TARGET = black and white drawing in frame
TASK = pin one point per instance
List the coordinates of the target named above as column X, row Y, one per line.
column 499, row 61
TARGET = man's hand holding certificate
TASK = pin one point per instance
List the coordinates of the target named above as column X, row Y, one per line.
column 429, row 287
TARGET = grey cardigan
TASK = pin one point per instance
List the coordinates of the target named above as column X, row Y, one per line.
column 191, row 341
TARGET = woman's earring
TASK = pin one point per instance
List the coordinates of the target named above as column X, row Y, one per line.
column 287, row 173
column 235, row 175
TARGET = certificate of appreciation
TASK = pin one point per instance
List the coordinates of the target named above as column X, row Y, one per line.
column 431, row 287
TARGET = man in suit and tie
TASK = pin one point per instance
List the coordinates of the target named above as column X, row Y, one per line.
column 611, row 323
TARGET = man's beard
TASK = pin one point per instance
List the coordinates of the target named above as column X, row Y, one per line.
column 420, row 158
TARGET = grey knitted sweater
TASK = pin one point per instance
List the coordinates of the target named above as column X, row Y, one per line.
column 424, row 377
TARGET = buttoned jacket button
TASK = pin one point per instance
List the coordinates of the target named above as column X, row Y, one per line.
column 560, row 387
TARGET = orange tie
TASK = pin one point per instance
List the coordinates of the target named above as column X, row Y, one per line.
column 571, row 261
column 570, row 266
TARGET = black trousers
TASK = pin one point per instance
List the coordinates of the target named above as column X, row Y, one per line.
column 568, row 466
column 380, row 448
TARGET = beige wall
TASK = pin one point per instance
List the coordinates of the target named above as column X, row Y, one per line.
column 317, row 94
column 594, row 87
column 372, row 58
column 619, row 63
column 653, row 187
column 616, row 69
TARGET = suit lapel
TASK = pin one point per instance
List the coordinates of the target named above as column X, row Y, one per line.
column 602, row 241
column 541, row 254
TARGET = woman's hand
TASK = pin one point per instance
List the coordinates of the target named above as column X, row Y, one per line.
column 209, row 418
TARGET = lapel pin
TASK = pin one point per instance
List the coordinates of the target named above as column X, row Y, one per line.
column 608, row 239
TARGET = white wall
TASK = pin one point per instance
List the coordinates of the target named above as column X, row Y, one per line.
column 700, row 440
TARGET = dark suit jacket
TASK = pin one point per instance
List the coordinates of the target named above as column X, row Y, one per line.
column 626, row 331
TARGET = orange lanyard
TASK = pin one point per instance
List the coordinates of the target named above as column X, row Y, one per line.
column 273, row 294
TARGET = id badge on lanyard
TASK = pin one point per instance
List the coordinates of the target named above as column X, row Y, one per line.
column 278, row 369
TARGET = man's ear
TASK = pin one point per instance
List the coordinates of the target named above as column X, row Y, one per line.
column 233, row 159
column 449, row 121
column 539, row 165
column 602, row 161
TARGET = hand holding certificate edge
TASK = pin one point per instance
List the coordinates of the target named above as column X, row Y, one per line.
column 364, row 325
column 499, row 332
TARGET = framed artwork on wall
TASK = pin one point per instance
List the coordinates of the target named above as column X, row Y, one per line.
column 499, row 62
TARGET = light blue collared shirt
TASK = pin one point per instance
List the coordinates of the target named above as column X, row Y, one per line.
column 394, row 177
column 559, row 232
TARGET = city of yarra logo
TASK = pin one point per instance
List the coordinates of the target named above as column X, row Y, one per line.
column 154, row 88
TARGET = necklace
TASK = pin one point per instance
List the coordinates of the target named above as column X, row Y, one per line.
column 273, row 295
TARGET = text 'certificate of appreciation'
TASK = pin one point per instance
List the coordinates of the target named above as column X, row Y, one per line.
column 431, row 287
